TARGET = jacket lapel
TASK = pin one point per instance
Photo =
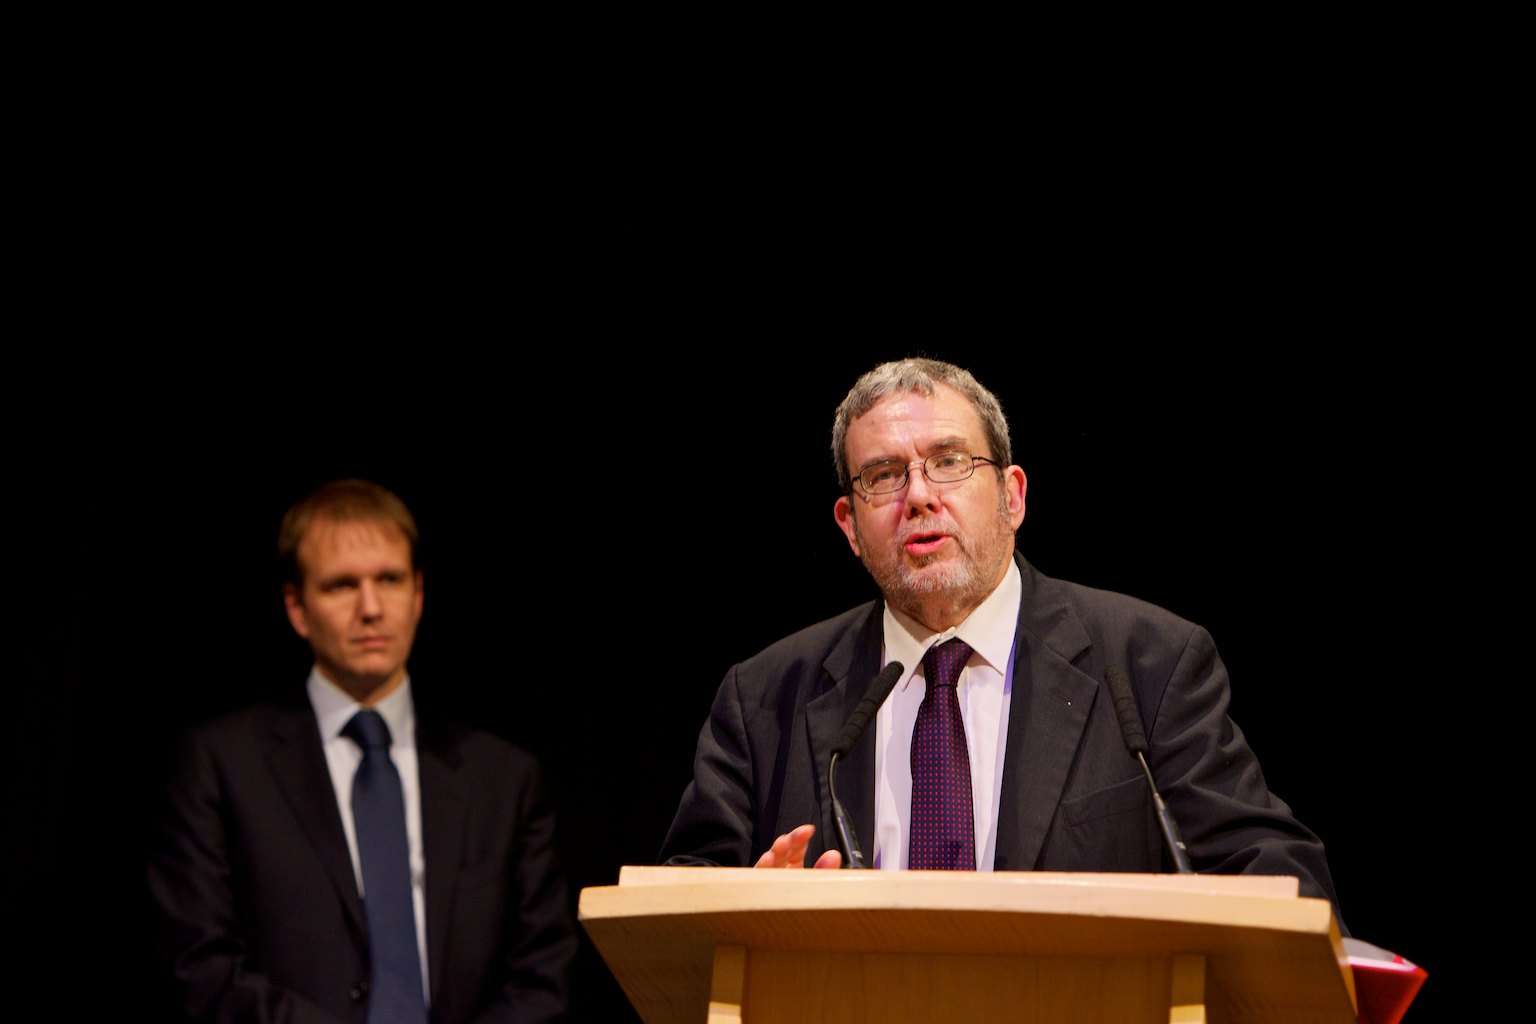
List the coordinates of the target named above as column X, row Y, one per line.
column 298, row 765
column 443, row 803
column 1047, row 714
column 849, row 669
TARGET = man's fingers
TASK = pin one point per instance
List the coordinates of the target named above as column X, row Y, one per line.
column 830, row 859
column 788, row 851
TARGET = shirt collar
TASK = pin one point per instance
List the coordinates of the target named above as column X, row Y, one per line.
column 334, row 708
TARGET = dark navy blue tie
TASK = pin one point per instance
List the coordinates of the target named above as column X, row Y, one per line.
column 378, row 811
column 943, row 832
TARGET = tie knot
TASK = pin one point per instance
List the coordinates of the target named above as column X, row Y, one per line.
column 943, row 662
column 367, row 730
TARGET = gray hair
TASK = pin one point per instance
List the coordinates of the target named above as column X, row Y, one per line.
column 919, row 375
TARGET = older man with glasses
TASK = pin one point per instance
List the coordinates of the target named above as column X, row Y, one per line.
column 999, row 746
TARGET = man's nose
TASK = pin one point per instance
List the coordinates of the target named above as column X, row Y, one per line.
column 921, row 496
column 369, row 606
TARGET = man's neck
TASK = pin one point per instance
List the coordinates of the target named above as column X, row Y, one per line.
column 367, row 692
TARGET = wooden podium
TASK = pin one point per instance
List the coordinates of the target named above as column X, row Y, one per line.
column 717, row 945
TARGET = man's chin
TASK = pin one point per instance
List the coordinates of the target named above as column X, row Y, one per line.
column 367, row 680
column 934, row 577
column 935, row 586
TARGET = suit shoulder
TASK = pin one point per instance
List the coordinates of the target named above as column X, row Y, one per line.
column 224, row 726
column 474, row 744
column 813, row 642
column 1107, row 611
column 234, row 743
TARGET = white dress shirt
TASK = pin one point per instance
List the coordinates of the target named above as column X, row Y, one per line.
column 985, row 689
column 333, row 710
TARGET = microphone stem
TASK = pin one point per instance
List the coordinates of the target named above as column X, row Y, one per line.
column 853, row 857
column 1171, row 838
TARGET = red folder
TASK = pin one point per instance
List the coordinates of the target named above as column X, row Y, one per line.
column 1385, row 983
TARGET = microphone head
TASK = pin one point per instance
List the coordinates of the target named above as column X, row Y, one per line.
column 1125, row 708
column 859, row 720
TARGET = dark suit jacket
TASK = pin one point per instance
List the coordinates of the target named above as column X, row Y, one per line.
column 255, row 894
column 1073, row 798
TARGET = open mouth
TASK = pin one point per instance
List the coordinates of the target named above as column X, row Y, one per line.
column 925, row 543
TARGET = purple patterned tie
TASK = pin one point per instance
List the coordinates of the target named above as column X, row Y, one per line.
column 943, row 826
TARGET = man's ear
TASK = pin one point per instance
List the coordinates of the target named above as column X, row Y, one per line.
column 843, row 513
column 293, row 603
column 1016, row 483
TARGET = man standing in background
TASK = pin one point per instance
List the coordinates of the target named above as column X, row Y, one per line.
column 340, row 856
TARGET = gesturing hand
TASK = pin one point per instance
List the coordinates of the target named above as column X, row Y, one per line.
column 788, row 851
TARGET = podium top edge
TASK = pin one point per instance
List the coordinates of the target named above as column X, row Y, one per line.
column 1274, row 886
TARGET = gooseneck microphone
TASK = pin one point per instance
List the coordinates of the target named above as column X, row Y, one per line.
column 1136, row 743
column 847, row 841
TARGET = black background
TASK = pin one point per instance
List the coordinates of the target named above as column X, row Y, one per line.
column 1247, row 364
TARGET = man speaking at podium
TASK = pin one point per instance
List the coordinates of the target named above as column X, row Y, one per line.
column 1028, row 719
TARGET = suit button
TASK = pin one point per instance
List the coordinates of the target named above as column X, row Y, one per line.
column 359, row 991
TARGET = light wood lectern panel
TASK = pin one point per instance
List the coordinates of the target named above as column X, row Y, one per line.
column 726, row 945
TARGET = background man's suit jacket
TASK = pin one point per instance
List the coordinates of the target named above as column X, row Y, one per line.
column 253, row 883
column 1073, row 798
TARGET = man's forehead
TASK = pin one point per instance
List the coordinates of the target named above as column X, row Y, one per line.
column 328, row 538
column 330, row 530
column 912, row 417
